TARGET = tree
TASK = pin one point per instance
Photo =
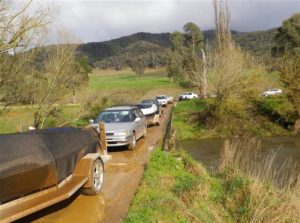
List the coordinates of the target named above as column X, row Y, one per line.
column 222, row 23
column 234, row 76
column 62, row 74
column 138, row 66
column 193, row 39
column 175, row 58
column 290, row 76
column 287, row 38
column 22, row 28
column 287, row 51
column 185, row 61
column 175, row 66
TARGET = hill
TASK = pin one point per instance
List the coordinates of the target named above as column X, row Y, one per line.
column 117, row 52
column 140, row 42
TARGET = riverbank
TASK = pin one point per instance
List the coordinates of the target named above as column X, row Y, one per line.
column 177, row 188
column 272, row 116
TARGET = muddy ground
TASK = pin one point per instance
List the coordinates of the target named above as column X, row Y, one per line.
column 122, row 178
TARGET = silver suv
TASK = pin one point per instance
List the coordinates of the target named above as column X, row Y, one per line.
column 124, row 125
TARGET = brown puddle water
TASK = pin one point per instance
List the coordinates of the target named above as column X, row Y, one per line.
column 208, row 151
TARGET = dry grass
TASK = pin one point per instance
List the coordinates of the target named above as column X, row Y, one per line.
column 269, row 191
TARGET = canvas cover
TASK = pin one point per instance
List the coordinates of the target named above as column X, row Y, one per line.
column 36, row 160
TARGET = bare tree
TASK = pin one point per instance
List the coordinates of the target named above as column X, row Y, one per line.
column 234, row 76
column 22, row 28
column 222, row 23
column 60, row 76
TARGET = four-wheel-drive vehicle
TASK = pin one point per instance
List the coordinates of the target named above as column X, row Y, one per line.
column 148, row 108
column 271, row 92
column 187, row 96
column 153, row 101
column 43, row 167
column 124, row 125
column 150, row 111
column 162, row 100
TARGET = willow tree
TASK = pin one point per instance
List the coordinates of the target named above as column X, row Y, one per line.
column 62, row 73
column 175, row 58
column 287, row 51
column 185, row 61
column 233, row 75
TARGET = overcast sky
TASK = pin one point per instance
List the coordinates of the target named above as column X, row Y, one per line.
column 92, row 21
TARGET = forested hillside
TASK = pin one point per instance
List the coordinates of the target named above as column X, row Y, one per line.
column 152, row 47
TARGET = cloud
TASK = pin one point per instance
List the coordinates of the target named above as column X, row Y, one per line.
column 103, row 20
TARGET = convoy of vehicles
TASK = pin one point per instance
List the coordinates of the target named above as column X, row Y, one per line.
column 55, row 163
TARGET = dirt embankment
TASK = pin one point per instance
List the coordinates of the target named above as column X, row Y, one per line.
column 122, row 178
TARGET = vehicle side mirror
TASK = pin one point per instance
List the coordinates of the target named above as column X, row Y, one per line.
column 91, row 121
column 137, row 119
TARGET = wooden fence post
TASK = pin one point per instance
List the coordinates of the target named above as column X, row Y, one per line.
column 103, row 137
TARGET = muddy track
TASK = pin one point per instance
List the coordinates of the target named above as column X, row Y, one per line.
column 122, row 178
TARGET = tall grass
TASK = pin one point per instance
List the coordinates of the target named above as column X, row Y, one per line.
column 258, row 189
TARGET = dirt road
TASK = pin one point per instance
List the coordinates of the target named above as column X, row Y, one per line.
column 122, row 177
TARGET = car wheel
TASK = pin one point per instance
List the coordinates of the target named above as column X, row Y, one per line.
column 132, row 145
column 97, row 176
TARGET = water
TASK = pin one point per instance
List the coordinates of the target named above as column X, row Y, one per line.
column 208, row 151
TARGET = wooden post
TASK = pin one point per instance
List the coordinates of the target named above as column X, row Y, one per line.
column 103, row 137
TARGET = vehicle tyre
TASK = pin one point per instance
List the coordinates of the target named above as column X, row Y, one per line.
column 97, row 178
column 132, row 145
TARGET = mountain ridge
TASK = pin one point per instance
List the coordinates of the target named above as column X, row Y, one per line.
column 259, row 43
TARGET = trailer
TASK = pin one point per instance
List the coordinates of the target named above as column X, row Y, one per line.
column 43, row 167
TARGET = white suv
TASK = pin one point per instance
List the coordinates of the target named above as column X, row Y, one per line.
column 187, row 96
column 273, row 91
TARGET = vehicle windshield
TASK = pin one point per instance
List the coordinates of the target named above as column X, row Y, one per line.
column 160, row 97
column 115, row 116
column 142, row 106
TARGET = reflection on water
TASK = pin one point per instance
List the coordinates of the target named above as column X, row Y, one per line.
column 208, row 151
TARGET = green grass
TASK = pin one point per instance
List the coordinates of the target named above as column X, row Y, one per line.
column 170, row 193
column 20, row 118
column 176, row 188
column 278, row 109
column 184, row 119
column 106, row 88
column 128, row 80
column 268, row 116
column 16, row 119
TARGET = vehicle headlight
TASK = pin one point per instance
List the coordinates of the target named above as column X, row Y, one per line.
column 122, row 133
